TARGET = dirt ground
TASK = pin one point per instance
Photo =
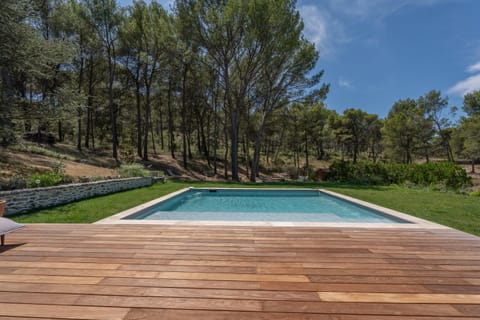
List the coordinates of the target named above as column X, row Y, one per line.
column 20, row 164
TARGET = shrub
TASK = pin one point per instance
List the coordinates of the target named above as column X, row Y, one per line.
column 132, row 170
column 59, row 168
column 44, row 179
column 128, row 155
column 441, row 174
column 475, row 193
column 17, row 182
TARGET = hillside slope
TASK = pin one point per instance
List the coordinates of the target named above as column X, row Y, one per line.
column 19, row 162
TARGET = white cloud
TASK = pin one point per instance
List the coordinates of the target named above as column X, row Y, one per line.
column 470, row 84
column 322, row 29
column 465, row 86
column 326, row 21
column 344, row 83
column 474, row 68
column 315, row 25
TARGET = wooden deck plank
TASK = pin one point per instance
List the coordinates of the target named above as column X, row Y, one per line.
column 62, row 312
column 166, row 314
column 216, row 272
column 400, row 297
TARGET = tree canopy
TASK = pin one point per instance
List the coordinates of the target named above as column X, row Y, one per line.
column 233, row 82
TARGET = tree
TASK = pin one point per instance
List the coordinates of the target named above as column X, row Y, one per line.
column 467, row 139
column 285, row 58
column 374, row 137
column 32, row 66
column 71, row 19
column 434, row 105
column 467, row 133
column 322, row 133
column 303, row 126
column 219, row 27
column 471, row 103
column 406, row 130
column 16, row 37
column 106, row 17
column 144, row 32
column 353, row 129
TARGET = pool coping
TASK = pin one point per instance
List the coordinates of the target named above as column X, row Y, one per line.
column 414, row 222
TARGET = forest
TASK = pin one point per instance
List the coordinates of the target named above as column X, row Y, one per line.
column 232, row 82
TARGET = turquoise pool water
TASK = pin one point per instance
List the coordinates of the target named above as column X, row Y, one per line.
column 261, row 205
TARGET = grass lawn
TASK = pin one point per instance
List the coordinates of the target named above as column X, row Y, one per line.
column 457, row 211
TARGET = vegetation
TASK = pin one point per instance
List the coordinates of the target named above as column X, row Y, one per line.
column 230, row 82
column 454, row 210
column 439, row 175
column 44, row 180
column 132, row 170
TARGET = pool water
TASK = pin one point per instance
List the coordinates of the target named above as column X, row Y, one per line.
column 261, row 205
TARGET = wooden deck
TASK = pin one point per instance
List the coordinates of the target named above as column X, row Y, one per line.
column 175, row 272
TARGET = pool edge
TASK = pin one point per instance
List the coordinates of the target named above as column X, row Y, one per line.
column 412, row 221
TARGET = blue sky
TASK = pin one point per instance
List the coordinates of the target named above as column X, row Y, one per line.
column 375, row 52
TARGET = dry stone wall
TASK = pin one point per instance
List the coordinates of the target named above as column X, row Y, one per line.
column 24, row 200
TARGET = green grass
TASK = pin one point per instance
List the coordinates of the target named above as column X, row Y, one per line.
column 454, row 210
column 458, row 211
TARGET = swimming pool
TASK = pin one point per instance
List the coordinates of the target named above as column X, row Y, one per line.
column 198, row 204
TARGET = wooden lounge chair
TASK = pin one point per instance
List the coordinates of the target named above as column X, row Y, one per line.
column 7, row 226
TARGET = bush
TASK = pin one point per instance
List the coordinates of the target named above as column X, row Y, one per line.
column 16, row 182
column 59, row 168
column 132, row 170
column 475, row 193
column 440, row 174
column 128, row 155
column 44, row 179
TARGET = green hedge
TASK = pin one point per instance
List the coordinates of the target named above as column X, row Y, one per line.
column 445, row 174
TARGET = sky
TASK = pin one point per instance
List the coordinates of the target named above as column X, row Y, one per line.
column 375, row 52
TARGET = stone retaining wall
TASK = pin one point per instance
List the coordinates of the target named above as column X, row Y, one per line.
column 24, row 200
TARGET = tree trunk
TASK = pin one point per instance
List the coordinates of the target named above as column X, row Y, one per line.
column 206, row 138
column 225, row 157
column 234, row 150
column 199, row 124
column 152, row 131
column 355, row 151
column 321, row 151
column 146, row 124
column 79, row 128
column 171, row 138
column 234, row 123
column 215, row 138
column 139, row 110
column 256, row 150
column 89, row 129
column 184, row 116
column 307, row 164
column 79, row 109
column 160, row 127
column 189, row 144
column 60, row 130
column 279, row 146
column 112, row 106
